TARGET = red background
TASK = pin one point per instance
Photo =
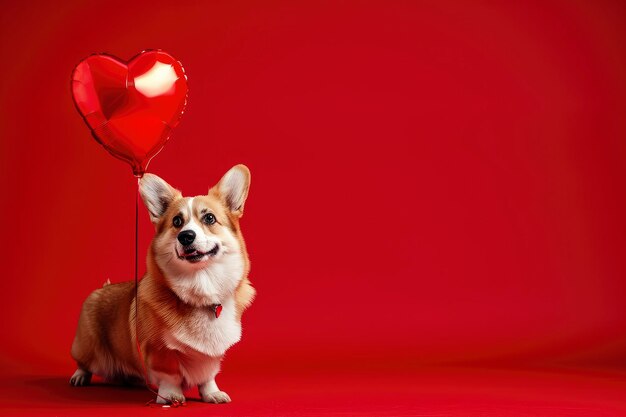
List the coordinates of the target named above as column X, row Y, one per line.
column 432, row 182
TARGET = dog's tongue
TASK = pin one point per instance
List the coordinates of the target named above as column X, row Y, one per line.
column 190, row 254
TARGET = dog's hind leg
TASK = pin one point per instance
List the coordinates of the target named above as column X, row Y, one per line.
column 80, row 378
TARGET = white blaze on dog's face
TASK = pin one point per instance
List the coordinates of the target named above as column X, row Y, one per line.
column 198, row 244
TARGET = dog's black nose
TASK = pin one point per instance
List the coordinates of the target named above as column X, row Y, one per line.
column 186, row 237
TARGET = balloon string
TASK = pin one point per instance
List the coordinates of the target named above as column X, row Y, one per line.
column 169, row 402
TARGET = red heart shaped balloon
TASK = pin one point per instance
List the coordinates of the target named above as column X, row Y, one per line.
column 131, row 107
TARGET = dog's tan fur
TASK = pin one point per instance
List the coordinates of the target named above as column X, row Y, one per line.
column 105, row 339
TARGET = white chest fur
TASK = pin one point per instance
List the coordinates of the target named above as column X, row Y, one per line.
column 202, row 332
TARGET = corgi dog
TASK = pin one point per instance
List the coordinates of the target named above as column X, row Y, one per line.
column 190, row 300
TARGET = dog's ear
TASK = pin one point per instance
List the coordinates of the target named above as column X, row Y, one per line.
column 233, row 188
column 157, row 195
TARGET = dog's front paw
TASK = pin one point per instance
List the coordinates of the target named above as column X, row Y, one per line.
column 170, row 392
column 170, row 398
column 80, row 378
column 217, row 397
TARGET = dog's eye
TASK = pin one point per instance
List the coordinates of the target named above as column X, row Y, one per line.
column 209, row 218
column 177, row 221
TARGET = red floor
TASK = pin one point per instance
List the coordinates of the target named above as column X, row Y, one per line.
column 432, row 392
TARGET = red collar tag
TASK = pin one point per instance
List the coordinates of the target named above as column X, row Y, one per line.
column 217, row 309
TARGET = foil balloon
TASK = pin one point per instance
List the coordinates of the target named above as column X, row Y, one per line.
column 131, row 107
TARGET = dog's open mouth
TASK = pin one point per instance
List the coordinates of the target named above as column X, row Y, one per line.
column 193, row 255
